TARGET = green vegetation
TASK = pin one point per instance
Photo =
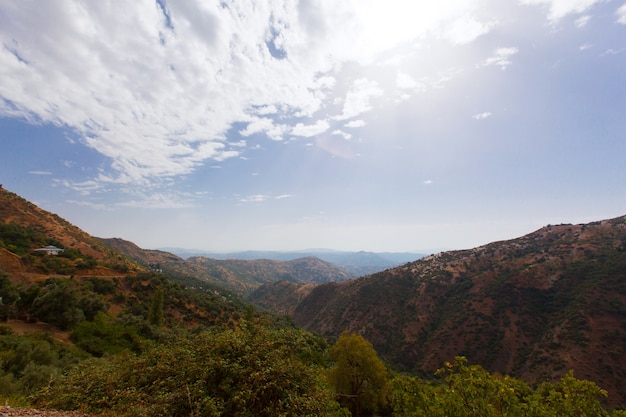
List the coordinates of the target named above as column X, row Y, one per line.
column 173, row 351
column 470, row 391
column 21, row 240
column 249, row 371
column 151, row 344
column 359, row 377
column 28, row 363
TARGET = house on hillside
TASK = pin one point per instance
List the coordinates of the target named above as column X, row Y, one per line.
column 50, row 250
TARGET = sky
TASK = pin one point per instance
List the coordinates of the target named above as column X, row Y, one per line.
column 286, row 125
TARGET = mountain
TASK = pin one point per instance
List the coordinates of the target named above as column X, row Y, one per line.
column 357, row 263
column 533, row 307
column 24, row 227
column 147, row 257
column 84, row 275
column 239, row 276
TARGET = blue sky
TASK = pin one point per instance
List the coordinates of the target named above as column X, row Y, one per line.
column 284, row 125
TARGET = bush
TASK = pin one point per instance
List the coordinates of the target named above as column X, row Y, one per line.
column 247, row 372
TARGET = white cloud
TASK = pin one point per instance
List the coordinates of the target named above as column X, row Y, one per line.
column 481, row 116
column 157, row 200
column 261, row 124
column 405, row 81
column 81, row 187
column 156, row 90
column 561, row 8
column 358, row 99
column 612, row 51
column 82, row 203
column 466, row 29
column 355, row 123
column 345, row 135
column 156, row 100
column 255, row 198
column 157, row 93
column 264, row 110
column 582, row 21
column 308, row 131
column 40, row 172
column 501, row 57
column 621, row 14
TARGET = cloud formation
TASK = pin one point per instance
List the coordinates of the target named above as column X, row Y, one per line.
column 369, row 114
column 483, row 115
column 501, row 57
column 561, row 8
column 156, row 86
column 621, row 14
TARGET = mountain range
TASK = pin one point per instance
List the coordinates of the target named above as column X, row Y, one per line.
column 532, row 307
column 356, row 263
column 236, row 275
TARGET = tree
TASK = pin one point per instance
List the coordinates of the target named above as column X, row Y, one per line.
column 360, row 378
column 569, row 397
column 8, row 296
column 413, row 397
column 155, row 316
column 472, row 391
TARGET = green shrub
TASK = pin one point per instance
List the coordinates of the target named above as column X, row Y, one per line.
column 247, row 372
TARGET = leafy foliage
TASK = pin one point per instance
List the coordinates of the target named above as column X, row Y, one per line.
column 251, row 371
column 21, row 240
column 62, row 303
column 471, row 391
column 103, row 336
column 28, row 363
column 360, row 378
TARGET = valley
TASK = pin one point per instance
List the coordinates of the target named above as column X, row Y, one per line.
column 533, row 308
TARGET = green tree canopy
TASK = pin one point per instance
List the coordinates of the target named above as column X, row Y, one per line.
column 248, row 372
column 359, row 376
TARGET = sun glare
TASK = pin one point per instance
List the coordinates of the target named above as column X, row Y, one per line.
column 387, row 24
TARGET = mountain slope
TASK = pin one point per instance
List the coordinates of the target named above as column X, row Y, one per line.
column 534, row 307
column 25, row 227
column 89, row 276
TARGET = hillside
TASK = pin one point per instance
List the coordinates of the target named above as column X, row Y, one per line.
column 533, row 307
column 239, row 276
column 89, row 276
column 24, row 227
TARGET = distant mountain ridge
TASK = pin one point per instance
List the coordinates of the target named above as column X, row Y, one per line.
column 236, row 275
column 357, row 263
column 533, row 307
